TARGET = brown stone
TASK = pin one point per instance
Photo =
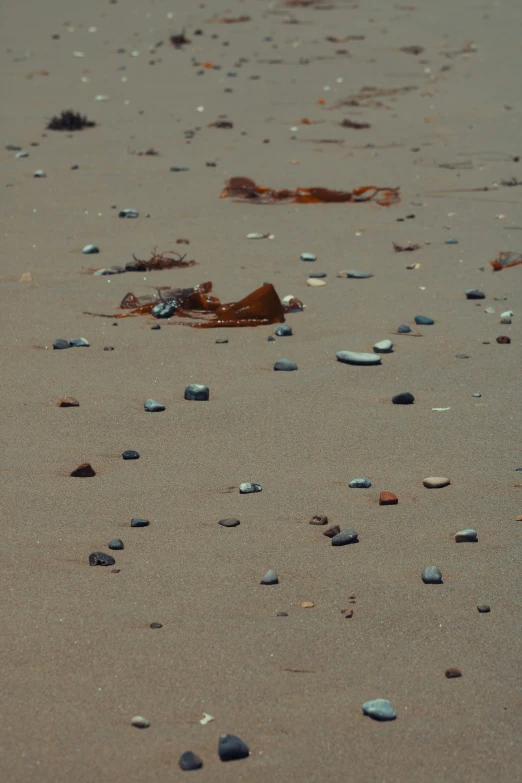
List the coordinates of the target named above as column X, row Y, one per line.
column 317, row 519
column 388, row 499
column 503, row 340
column 84, row 470
column 518, row 519
column 67, row 402
column 348, row 613
column 452, row 673
column 332, row 531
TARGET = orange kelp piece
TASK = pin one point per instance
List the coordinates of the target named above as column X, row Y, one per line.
column 505, row 260
column 246, row 189
column 262, row 306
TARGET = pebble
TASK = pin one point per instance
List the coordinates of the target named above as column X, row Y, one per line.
column 195, row 391
column 140, row 722
column 489, row 310
column 355, row 274
column 60, row 345
column 474, row 293
column 163, row 310
column 507, row 314
column 84, row 470
column 466, row 535
column 79, row 342
column 354, row 357
column 271, row 339
column 423, row 320
column 346, row 537
column 128, row 213
column 308, row 257
column 270, row 578
column 190, row 760
column 404, row 398
column 247, row 487
column 155, row 327
column 451, row 241
column 22, row 154
column 360, row 483
column 404, row 329
column 109, row 348
column 318, row 519
column 137, row 522
column 379, row 709
column 153, row 407
column 39, row 174
column 461, row 356
column 431, row 575
column 282, row 614
column 452, row 673
column 505, row 320
column 101, row 559
column 503, row 340
column 116, row 543
column 307, row 604
column 103, row 272
column 219, row 341
column 283, row 331
column 388, row 499
column 315, row 282
column 436, row 482
column 384, row 346
column 231, row 748
column 229, row 522
column 68, row 402
column 285, row 365
column 156, row 625
column 90, row 250
column 332, row 531
column 484, row 608
column 476, row 394
column 130, row 454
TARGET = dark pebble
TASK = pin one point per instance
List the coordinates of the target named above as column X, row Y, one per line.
column 282, row 614
column 156, row 625
column 229, row 522
column 195, row 391
column 484, row 608
column 423, row 320
column 156, row 327
column 190, row 760
column 452, row 673
column 130, row 454
column 317, row 275
column 101, row 559
column 346, row 537
column 461, row 356
column 283, row 331
column 503, row 340
column 404, row 398
column 231, row 748
column 270, row 339
column 221, row 341
column 79, row 342
column 332, row 531
column 128, row 213
column 403, row 329
column 137, row 522
column 116, row 543
column 115, row 570
column 109, row 348
column 61, row 345
column 474, row 293
column 285, row 365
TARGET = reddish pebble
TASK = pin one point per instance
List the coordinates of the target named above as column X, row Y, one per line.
column 452, row 673
column 68, row 402
column 318, row 519
column 84, row 470
column 503, row 340
column 388, row 499
column 332, row 531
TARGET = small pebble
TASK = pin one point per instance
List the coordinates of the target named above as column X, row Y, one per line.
column 22, row 154
column 354, row 357
column 404, row 329
column 466, row 535
column 384, row 346
column 489, row 310
column 163, row 310
column 61, row 345
column 451, row 241
column 317, row 519
column 39, row 174
column 189, row 761
column 505, row 320
column 101, row 559
column 282, row 614
column 156, row 625
column 137, row 522
column 140, row 722
column 116, row 543
column 271, row 339
column 84, row 470
column 436, row 482
column 130, row 454
column 461, row 356
column 153, row 407
column 476, row 394
column 231, row 748
column 285, row 365
column 308, row 257
column 388, row 499
column 195, row 391
column 315, row 282
column 345, row 537
column 379, row 709
column 452, row 673
column 109, row 348
column 155, row 327
column 332, row 531
column 79, row 342
column 474, row 293
column 503, row 340
column 283, row 331
column 404, row 398
column 423, row 320
column 229, row 522
column 360, row 483
column 507, row 314
column 90, row 250
column 484, row 608
column 68, row 402
column 270, row 578
column 128, row 213
column 431, row 575
column 247, row 487
column 355, row 274
column 220, row 340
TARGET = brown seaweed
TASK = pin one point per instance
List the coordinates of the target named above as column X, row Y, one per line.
column 167, row 260
column 506, row 259
column 245, row 189
column 69, row 121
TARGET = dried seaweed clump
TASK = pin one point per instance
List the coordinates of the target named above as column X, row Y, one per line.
column 69, row 121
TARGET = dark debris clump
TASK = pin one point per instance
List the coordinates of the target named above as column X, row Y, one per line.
column 69, row 121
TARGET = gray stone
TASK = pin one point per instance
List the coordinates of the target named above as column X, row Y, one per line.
column 345, row 537
column 101, row 559
column 404, row 398
column 116, row 543
column 355, row 274
column 79, row 342
column 195, row 391
column 39, row 174
column 484, row 609
column 285, row 365
column 436, row 482
column 467, row 535
column 221, row 341
column 476, row 394
column 384, row 346
column 308, row 257
column 129, row 213
column 231, row 748
column 153, row 407
column 270, row 578
column 431, row 575
column 489, row 310
column 90, row 250
column 360, row 483
column 423, row 320
column 189, row 761
column 137, row 522
column 247, row 487
column 403, row 329
column 61, row 345
column 140, row 722
column 283, row 330
column 379, row 709
column 22, row 154
column 355, row 357
column 317, row 275
column 474, row 293
column 130, row 454
column 461, row 356
column 229, row 522
column 163, row 310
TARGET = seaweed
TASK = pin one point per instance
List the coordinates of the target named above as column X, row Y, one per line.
column 245, row 189
column 69, row 120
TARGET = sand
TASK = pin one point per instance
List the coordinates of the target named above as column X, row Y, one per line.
column 79, row 659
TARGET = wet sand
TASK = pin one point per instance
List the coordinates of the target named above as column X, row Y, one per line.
column 79, row 659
